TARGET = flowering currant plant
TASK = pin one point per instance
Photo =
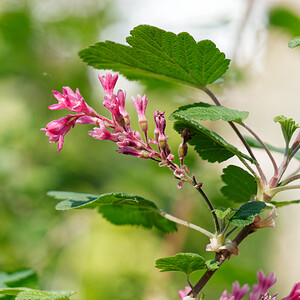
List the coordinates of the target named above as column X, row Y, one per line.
column 155, row 53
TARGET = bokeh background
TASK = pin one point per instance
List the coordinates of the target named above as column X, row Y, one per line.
column 78, row 250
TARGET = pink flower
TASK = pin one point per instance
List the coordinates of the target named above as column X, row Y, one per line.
column 88, row 120
column 263, row 286
column 113, row 105
column 218, row 243
column 134, row 152
column 101, row 133
column 184, row 293
column 140, row 105
column 121, row 97
column 295, row 293
column 71, row 101
column 57, row 129
column 237, row 292
column 159, row 132
column 267, row 221
column 108, row 82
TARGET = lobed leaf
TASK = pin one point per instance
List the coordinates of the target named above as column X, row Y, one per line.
column 208, row 144
column 240, row 185
column 182, row 262
column 246, row 214
column 155, row 53
column 255, row 144
column 118, row 208
column 203, row 112
column 288, row 127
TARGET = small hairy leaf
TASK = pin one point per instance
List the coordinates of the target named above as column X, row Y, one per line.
column 255, row 144
column 209, row 145
column 202, row 111
column 288, row 127
column 212, row 265
column 294, row 43
column 240, row 185
column 246, row 214
column 182, row 262
column 118, row 208
column 223, row 214
column 155, row 53
column 284, row 203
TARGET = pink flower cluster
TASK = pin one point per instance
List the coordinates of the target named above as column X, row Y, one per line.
column 117, row 128
column 260, row 291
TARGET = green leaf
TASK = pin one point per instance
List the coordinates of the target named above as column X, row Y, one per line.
column 223, row 214
column 288, row 127
column 31, row 294
column 286, row 19
column 203, row 112
column 44, row 295
column 240, row 185
column 294, row 43
column 182, row 262
column 246, row 214
column 255, row 144
column 118, row 208
column 155, row 53
column 212, row 265
column 284, row 203
column 209, row 145
column 25, row 278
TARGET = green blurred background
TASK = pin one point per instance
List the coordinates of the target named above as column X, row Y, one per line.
column 39, row 42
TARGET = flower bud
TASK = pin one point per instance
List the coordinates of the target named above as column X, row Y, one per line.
column 182, row 150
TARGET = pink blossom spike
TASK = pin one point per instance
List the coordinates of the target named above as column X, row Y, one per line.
column 71, row 101
column 140, row 105
column 184, row 293
column 108, row 82
column 295, row 293
column 57, row 129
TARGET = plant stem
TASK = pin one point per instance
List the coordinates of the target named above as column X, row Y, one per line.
column 187, row 224
column 221, row 257
column 216, row 101
column 248, row 167
column 290, row 179
column 230, row 231
column 208, row 202
column 265, row 147
column 284, row 188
